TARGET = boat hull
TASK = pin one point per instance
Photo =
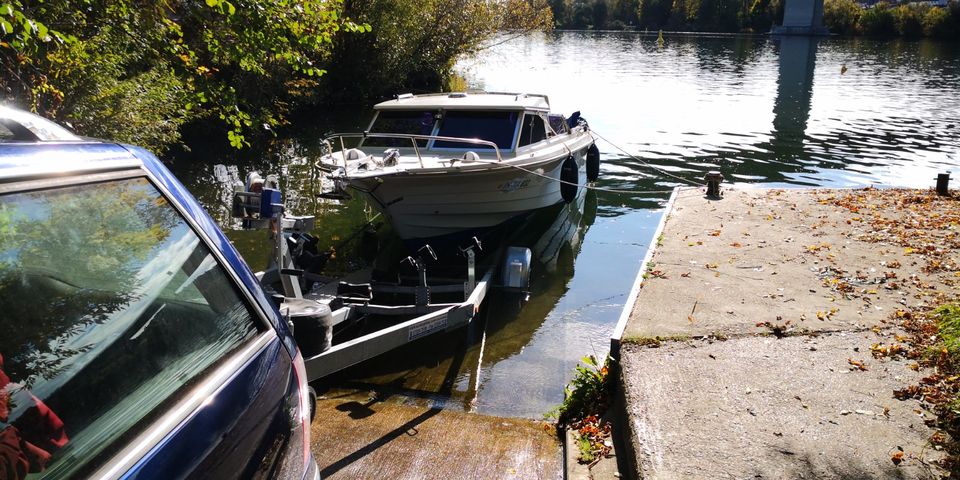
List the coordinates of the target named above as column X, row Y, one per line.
column 424, row 206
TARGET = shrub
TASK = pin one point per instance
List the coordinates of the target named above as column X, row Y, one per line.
column 948, row 324
column 908, row 19
column 841, row 16
column 415, row 43
column 587, row 394
column 937, row 23
column 878, row 21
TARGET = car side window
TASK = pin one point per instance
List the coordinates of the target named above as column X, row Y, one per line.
column 113, row 308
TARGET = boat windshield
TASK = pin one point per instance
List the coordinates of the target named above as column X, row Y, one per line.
column 407, row 122
column 498, row 127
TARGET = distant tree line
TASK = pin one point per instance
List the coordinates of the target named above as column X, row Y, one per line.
column 144, row 72
column 883, row 19
column 846, row 17
column 674, row 15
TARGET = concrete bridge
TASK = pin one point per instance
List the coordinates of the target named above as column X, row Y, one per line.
column 802, row 17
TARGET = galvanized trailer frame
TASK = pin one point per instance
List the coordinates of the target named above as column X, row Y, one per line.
column 260, row 208
column 447, row 318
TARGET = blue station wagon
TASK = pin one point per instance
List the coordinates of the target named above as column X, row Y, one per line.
column 134, row 340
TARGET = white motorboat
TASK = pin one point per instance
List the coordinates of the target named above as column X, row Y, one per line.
column 440, row 165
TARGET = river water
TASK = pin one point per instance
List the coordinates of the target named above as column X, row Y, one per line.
column 777, row 112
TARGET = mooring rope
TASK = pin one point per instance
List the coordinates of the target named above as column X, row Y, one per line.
column 578, row 185
column 647, row 164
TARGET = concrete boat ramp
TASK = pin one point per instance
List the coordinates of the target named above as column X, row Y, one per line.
column 367, row 439
column 745, row 348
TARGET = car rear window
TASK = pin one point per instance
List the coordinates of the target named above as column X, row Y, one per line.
column 112, row 309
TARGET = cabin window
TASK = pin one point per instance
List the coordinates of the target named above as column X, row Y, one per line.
column 407, row 122
column 558, row 123
column 533, row 130
column 496, row 127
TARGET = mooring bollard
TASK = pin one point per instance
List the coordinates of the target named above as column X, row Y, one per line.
column 943, row 184
column 713, row 179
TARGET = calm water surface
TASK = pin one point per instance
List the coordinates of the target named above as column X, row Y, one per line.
column 791, row 112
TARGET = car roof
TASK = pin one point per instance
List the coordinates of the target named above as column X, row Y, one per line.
column 32, row 146
column 20, row 126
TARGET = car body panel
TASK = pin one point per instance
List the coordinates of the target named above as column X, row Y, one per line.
column 237, row 430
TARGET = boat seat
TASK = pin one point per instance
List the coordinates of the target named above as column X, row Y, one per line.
column 354, row 154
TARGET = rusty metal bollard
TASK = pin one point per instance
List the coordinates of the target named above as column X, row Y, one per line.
column 713, row 179
column 943, row 184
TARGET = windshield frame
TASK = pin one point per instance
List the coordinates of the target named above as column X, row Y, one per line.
column 440, row 114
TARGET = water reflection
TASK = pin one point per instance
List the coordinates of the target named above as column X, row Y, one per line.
column 791, row 107
column 455, row 368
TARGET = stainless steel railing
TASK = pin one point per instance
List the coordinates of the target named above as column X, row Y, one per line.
column 413, row 142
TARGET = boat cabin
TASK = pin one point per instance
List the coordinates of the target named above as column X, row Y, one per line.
column 510, row 121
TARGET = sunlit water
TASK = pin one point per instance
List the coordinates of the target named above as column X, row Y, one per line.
column 791, row 112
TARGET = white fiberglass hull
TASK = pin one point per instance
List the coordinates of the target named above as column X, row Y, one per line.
column 429, row 205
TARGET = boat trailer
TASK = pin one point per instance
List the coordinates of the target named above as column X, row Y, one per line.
column 315, row 306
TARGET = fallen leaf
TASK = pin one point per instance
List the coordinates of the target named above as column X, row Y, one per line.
column 857, row 364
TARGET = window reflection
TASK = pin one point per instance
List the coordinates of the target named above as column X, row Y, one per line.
column 112, row 307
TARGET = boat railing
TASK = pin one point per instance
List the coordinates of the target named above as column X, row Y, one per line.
column 413, row 142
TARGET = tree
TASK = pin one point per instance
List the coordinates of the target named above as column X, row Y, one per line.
column 599, row 20
column 98, row 64
column 841, row 16
column 414, row 44
column 654, row 14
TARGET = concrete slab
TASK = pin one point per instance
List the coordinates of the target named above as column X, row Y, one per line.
column 721, row 267
column 374, row 440
column 742, row 350
column 773, row 408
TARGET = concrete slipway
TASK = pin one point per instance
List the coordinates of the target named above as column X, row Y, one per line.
column 745, row 348
column 366, row 438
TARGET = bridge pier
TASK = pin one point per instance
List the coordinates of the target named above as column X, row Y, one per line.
column 802, row 17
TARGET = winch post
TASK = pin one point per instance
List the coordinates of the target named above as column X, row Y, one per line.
column 471, row 271
column 713, row 179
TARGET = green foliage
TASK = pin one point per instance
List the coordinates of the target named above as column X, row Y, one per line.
column 414, row 44
column 948, row 323
column 907, row 19
column 137, row 70
column 588, row 392
column 841, row 16
column 654, row 14
column 878, row 21
column 586, row 449
column 845, row 17
column 937, row 23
